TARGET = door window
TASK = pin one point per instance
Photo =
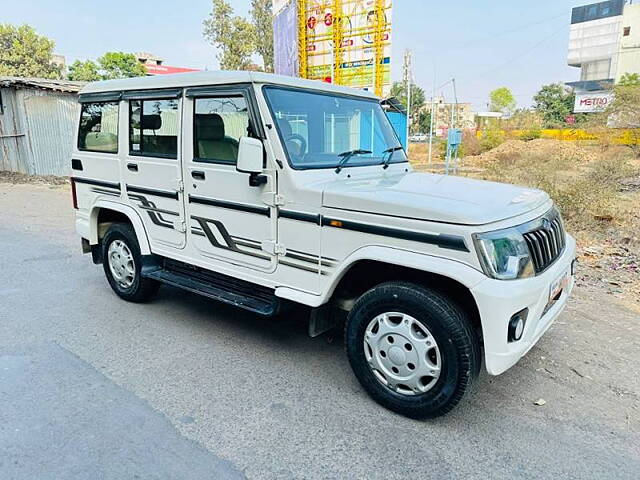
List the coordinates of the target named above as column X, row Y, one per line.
column 98, row 130
column 218, row 125
column 153, row 128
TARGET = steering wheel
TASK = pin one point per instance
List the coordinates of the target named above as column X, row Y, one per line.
column 294, row 137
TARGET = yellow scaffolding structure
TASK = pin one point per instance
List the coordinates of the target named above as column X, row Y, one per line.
column 302, row 39
column 338, row 52
column 378, row 45
column 342, row 44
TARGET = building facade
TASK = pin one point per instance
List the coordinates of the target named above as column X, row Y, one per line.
column 464, row 116
column 604, row 43
column 155, row 65
column 629, row 48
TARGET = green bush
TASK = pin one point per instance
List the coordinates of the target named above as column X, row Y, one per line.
column 491, row 139
column 532, row 133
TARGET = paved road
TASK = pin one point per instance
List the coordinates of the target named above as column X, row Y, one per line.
column 93, row 387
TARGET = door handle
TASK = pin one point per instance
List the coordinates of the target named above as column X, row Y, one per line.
column 133, row 167
column 198, row 174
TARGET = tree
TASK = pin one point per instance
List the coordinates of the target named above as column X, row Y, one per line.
column 629, row 80
column 86, row 71
column 399, row 91
column 424, row 122
column 262, row 18
column 624, row 112
column 108, row 67
column 24, row 53
column 120, row 65
column 234, row 37
column 502, row 100
column 555, row 103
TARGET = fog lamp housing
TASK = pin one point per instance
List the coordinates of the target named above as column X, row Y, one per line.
column 516, row 326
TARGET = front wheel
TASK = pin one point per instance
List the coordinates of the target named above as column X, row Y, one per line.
column 412, row 349
column 122, row 264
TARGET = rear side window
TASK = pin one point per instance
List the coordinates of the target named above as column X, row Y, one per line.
column 218, row 125
column 153, row 128
column 98, row 130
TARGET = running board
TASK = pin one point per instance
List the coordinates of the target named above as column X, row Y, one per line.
column 226, row 289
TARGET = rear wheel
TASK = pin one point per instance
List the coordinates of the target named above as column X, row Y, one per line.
column 412, row 349
column 122, row 264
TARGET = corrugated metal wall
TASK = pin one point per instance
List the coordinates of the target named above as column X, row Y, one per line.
column 13, row 139
column 36, row 131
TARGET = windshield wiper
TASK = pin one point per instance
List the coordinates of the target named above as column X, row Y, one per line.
column 390, row 152
column 346, row 156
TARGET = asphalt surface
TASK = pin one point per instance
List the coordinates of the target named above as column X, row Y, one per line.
column 93, row 387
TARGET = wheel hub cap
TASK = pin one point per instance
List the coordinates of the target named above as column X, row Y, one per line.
column 121, row 263
column 402, row 353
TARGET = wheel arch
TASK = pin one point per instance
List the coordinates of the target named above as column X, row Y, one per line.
column 372, row 266
column 104, row 212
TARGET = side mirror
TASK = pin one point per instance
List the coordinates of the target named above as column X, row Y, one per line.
column 250, row 160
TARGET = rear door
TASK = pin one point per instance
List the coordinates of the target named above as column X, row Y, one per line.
column 151, row 169
column 228, row 220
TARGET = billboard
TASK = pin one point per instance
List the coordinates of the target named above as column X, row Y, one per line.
column 343, row 52
column 592, row 102
column 285, row 38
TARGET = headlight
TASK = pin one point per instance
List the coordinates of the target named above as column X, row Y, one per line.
column 504, row 254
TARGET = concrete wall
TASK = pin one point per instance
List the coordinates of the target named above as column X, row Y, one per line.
column 629, row 51
column 36, row 131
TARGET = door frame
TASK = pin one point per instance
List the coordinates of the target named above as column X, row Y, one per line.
column 265, row 209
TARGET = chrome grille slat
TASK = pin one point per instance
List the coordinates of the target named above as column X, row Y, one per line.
column 546, row 244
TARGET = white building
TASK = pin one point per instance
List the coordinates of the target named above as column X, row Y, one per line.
column 604, row 43
column 629, row 48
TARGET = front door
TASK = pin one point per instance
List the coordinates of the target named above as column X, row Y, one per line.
column 151, row 166
column 227, row 219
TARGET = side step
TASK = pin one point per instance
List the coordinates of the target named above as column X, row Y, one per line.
column 223, row 288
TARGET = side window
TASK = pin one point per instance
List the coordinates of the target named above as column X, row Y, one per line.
column 153, row 128
column 98, row 130
column 218, row 124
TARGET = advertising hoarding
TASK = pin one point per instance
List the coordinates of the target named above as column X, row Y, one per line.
column 592, row 102
column 364, row 35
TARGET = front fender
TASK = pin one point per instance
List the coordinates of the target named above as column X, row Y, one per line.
column 462, row 273
column 131, row 214
column 455, row 270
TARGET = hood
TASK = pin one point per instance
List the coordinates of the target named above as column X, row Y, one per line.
column 440, row 198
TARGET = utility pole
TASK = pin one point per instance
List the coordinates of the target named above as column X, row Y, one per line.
column 407, row 77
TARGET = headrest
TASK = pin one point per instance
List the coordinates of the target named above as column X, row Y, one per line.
column 209, row 126
column 285, row 127
column 151, row 122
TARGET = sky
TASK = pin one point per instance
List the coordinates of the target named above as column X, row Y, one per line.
column 483, row 44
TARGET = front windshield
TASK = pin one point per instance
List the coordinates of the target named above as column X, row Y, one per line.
column 319, row 129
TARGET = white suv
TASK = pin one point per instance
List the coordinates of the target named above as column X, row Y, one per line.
column 265, row 192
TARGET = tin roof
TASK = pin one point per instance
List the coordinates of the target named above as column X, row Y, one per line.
column 42, row 83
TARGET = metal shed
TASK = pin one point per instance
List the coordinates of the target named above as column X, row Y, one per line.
column 37, row 120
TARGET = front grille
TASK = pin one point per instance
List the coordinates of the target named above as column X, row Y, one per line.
column 546, row 243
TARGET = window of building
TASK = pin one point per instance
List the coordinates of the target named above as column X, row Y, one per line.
column 153, row 128
column 98, row 130
column 219, row 123
column 627, row 31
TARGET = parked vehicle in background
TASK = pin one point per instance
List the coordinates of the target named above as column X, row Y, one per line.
column 419, row 138
column 263, row 192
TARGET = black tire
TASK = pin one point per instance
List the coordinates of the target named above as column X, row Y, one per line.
column 458, row 344
column 141, row 289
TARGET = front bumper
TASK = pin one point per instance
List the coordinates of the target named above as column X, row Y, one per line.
column 499, row 300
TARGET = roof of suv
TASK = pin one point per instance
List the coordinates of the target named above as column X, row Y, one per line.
column 198, row 79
